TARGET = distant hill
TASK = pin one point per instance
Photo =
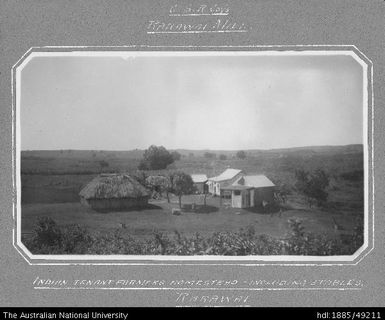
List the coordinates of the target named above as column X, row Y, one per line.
column 346, row 149
column 137, row 153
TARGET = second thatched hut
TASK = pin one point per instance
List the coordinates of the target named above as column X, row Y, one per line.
column 114, row 192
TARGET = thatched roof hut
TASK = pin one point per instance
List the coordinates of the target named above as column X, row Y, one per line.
column 108, row 192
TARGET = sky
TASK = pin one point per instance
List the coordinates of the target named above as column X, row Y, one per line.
column 226, row 102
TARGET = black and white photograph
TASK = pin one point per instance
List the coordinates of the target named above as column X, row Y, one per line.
column 201, row 155
column 183, row 154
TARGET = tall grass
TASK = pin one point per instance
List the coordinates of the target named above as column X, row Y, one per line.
column 49, row 238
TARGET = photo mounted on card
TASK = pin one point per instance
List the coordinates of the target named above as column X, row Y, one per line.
column 207, row 155
column 184, row 153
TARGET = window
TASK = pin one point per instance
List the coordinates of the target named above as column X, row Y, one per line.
column 237, row 192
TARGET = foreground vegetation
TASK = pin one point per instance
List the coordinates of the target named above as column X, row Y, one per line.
column 49, row 238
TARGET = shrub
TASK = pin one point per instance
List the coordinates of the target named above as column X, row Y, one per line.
column 176, row 155
column 241, row 154
column 103, row 164
column 282, row 192
column 313, row 185
column 50, row 238
column 73, row 239
column 47, row 232
column 306, row 243
column 115, row 243
column 159, row 185
column 209, row 155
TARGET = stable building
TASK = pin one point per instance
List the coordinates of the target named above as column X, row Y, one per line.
column 114, row 192
column 251, row 191
column 227, row 177
column 200, row 181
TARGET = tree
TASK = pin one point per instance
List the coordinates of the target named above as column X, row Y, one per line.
column 241, row 154
column 155, row 158
column 205, row 192
column 140, row 176
column 182, row 184
column 282, row 192
column 313, row 185
column 159, row 184
column 222, row 157
column 209, row 155
column 176, row 155
column 103, row 164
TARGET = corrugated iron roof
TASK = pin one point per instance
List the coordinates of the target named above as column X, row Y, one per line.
column 256, row 181
column 199, row 178
column 226, row 175
column 236, row 187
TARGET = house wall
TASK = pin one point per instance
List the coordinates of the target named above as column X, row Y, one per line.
column 236, row 200
column 200, row 187
column 256, row 197
column 216, row 187
column 261, row 194
column 211, row 186
column 252, row 198
column 115, row 204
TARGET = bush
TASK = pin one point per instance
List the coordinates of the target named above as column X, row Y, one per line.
column 209, row 155
column 282, row 192
column 50, row 238
column 313, row 185
column 302, row 243
column 104, row 164
column 73, row 239
column 176, row 155
column 241, row 154
column 47, row 232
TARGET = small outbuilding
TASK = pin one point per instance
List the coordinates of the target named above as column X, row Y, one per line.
column 114, row 192
column 251, row 191
column 200, row 182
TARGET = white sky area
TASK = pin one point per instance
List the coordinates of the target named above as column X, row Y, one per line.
column 191, row 102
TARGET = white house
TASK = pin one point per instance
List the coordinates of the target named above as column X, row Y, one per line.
column 251, row 191
column 227, row 177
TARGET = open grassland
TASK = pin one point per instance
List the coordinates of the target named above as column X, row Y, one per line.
column 157, row 217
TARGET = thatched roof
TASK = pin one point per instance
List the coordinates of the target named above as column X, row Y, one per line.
column 113, row 186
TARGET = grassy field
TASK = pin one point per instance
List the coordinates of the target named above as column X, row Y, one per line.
column 51, row 181
column 158, row 217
